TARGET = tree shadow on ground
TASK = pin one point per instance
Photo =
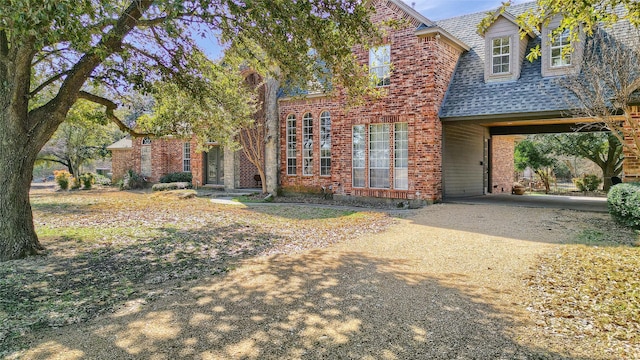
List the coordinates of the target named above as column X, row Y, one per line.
column 316, row 305
column 75, row 283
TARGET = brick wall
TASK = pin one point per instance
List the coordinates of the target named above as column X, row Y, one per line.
column 502, row 164
column 166, row 156
column 631, row 164
column 422, row 68
column 121, row 162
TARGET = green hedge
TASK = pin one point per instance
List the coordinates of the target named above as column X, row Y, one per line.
column 624, row 204
column 171, row 186
column 176, row 177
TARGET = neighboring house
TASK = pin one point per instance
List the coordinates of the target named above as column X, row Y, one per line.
column 454, row 102
column 120, row 158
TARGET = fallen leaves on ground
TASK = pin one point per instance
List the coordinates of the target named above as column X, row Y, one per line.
column 107, row 247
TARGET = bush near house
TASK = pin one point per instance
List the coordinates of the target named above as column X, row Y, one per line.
column 171, row 186
column 624, row 204
column 133, row 180
column 176, row 177
column 587, row 182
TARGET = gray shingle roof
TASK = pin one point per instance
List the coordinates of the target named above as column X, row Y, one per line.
column 469, row 96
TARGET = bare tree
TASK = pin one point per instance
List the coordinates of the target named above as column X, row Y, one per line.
column 252, row 138
column 606, row 86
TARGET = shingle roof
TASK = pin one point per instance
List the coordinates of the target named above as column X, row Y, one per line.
column 469, row 96
column 122, row 144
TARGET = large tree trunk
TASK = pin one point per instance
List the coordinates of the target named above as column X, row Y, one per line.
column 271, row 163
column 17, row 156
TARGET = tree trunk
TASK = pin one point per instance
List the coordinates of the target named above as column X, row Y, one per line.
column 271, row 163
column 17, row 156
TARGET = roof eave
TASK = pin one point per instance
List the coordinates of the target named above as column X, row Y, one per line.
column 437, row 30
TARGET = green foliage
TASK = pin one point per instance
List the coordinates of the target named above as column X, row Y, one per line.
column 588, row 182
column 132, row 180
column 171, row 186
column 533, row 154
column 102, row 180
column 62, row 178
column 176, row 177
column 624, row 204
column 576, row 16
column 87, row 179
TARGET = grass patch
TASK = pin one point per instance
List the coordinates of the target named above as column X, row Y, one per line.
column 105, row 248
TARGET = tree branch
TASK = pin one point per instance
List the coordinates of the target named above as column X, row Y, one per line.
column 110, row 106
column 47, row 83
column 4, row 43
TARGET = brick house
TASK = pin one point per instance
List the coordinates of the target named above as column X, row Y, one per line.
column 454, row 101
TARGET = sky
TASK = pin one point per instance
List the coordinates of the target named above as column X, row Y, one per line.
column 431, row 9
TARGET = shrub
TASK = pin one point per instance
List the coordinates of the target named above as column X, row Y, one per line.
column 171, row 186
column 623, row 202
column 75, row 183
column 133, row 180
column 62, row 178
column 87, row 179
column 176, row 177
column 102, row 180
column 587, row 182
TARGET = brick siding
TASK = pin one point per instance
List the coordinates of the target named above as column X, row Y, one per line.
column 502, row 164
column 121, row 162
column 422, row 68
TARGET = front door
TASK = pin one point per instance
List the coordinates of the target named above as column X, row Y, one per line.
column 215, row 166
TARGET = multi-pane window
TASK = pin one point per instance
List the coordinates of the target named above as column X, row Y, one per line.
column 291, row 145
column 325, row 144
column 358, row 155
column 559, row 44
column 379, row 156
column 500, row 55
column 186, row 157
column 307, row 144
column 401, row 155
column 380, row 65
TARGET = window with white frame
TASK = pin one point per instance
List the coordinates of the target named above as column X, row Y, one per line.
column 380, row 65
column 291, row 145
column 186, row 157
column 379, row 156
column 307, row 144
column 401, row 156
column 358, row 140
column 560, row 56
column 325, row 143
column 500, row 56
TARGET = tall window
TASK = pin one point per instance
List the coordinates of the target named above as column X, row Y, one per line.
column 186, row 157
column 380, row 65
column 307, row 144
column 500, row 55
column 379, row 156
column 358, row 155
column 325, row 144
column 291, row 145
column 557, row 57
column 401, row 155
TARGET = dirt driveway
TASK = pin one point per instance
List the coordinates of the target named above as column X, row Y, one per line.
column 445, row 282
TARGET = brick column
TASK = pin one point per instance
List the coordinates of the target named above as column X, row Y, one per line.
column 631, row 164
column 502, row 164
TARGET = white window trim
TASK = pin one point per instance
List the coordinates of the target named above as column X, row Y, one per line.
column 307, row 144
column 385, row 66
column 363, row 159
column 559, row 44
column 186, row 157
column 325, row 143
column 499, row 56
column 291, row 150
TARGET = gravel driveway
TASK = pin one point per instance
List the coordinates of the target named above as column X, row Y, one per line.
column 445, row 282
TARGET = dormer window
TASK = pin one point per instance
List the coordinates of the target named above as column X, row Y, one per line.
column 500, row 58
column 380, row 65
column 557, row 57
